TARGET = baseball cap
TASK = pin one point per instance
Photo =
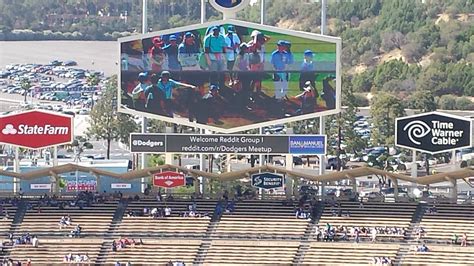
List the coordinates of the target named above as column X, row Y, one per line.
column 281, row 43
column 308, row 53
column 307, row 85
column 255, row 33
column 188, row 35
column 167, row 73
column 173, row 37
column 243, row 45
column 142, row 75
column 215, row 28
column 230, row 28
column 287, row 43
column 157, row 40
column 213, row 88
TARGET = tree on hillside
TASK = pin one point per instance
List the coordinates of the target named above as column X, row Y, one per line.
column 423, row 101
column 392, row 40
column 105, row 122
column 385, row 107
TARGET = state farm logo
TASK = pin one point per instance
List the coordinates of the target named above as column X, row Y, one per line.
column 34, row 130
column 9, row 130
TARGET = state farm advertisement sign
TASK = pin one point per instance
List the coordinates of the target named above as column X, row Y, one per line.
column 169, row 179
column 36, row 129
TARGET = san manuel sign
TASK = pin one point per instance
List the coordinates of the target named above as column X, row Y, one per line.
column 36, row 129
column 433, row 132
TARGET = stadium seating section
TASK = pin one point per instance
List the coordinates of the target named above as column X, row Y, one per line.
column 257, row 231
column 261, row 219
column 448, row 220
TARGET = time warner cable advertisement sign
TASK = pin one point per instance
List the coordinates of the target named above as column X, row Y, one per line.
column 242, row 144
column 433, row 132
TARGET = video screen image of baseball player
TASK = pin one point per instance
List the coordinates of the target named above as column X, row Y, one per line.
column 227, row 76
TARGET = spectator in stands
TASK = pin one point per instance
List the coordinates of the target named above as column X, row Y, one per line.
column 34, row 242
column 154, row 212
column 63, row 222
column 219, row 209
column 130, row 213
column 76, row 232
column 361, row 203
column 230, row 206
column 420, row 233
column 159, row 198
column 464, row 240
column 167, row 211
column 374, row 234
column 345, row 236
column 357, row 235
column 317, row 232
column 114, row 246
column 423, row 248
column 433, row 209
column 170, row 198
column 454, row 239
column 128, row 263
column 117, row 263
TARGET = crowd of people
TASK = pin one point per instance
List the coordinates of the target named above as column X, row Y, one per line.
column 82, row 200
column 381, row 261
column 76, row 258
column 221, row 69
column 124, row 242
column 331, row 233
column 11, row 262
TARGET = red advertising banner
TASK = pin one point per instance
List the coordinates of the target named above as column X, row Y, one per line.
column 36, row 129
column 81, row 186
column 169, row 179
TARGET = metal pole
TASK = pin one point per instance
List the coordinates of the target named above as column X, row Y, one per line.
column 202, row 159
column 55, row 158
column 144, row 120
column 453, row 160
column 414, row 166
column 144, row 17
column 202, row 164
column 322, row 161
column 261, row 156
column 203, row 11
column 323, row 16
column 262, row 12
column 16, row 169
column 322, row 158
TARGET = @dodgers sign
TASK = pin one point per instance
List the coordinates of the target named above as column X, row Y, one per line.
column 169, row 179
column 267, row 180
column 433, row 132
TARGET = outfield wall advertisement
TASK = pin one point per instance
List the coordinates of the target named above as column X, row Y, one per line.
column 229, row 76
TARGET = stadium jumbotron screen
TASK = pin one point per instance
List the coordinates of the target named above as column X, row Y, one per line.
column 229, row 76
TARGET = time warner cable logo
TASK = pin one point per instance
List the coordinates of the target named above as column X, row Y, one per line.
column 416, row 129
column 442, row 133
